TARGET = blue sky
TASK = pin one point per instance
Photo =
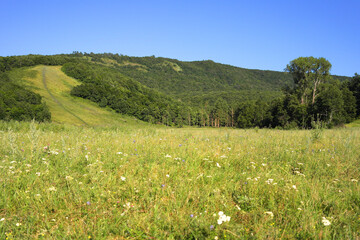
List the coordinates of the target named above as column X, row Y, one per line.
column 257, row 34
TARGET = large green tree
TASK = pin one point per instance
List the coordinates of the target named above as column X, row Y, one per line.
column 308, row 73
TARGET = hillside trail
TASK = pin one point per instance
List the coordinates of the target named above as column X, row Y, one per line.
column 56, row 100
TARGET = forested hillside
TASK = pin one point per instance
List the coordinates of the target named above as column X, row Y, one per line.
column 200, row 93
column 108, row 87
column 20, row 104
column 199, row 82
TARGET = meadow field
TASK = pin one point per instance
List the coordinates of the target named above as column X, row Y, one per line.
column 152, row 182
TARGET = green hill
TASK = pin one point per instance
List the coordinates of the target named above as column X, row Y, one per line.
column 199, row 82
column 55, row 87
column 155, row 90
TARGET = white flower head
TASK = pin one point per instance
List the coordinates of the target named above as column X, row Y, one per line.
column 3, row 219
column 123, row 178
column 218, row 165
column 325, row 221
column 52, row 189
column 223, row 218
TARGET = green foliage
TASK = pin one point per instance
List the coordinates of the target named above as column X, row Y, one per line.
column 8, row 63
column 200, row 81
column 108, row 87
column 354, row 87
column 17, row 103
column 308, row 73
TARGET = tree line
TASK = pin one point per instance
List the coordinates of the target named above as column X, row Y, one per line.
column 314, row 95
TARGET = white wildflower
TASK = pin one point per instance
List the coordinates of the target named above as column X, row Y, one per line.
column 168, row 156
column 119, row 153
column 54, row 152
column 167, row 175
column 325, row 221
column 223, row 218
column 3, row 219
column 354, row 180
column 38, row 173
column 269, row 181
column 294, row 187
column 69, row 178
column 123, row 178
column 270, row 214
column 53, row 189
column 218, row 165
column 18, row 224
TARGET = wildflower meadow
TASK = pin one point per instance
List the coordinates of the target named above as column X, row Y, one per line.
column 152, row 182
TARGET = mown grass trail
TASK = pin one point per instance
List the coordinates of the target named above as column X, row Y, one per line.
column 54, row 98
column 66, row 182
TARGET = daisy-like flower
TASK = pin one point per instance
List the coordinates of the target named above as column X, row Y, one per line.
column 325, row 221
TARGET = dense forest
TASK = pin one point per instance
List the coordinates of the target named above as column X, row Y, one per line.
column 20, row 104
column 202, row 93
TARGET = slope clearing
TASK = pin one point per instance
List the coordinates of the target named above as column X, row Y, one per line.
column 51, row 83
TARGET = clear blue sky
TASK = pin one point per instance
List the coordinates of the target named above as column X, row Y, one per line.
column 257, row 34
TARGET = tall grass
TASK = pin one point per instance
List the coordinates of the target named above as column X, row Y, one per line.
column 67, row 182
